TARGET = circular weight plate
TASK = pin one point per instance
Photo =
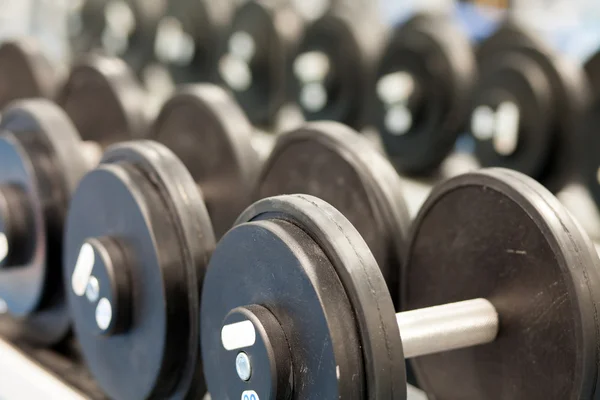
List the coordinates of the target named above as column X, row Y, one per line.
column 510, row 118
column 331, row 161
column 570, row 93
column 326, row 291
column 40, row 157
column 331, row 72
column 498, row 234
column 207, row 130
column 25, row 72
column 262, row 38
column 104, row 100
column 119, row 28
column 421, row 92
column 190, row 36
column 143, row 198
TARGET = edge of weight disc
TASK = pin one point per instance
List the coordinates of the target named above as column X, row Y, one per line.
column 56, row 130
column 48, row 77
column 567, row 82
column 121, row 82
column 564, row 235
column 236, row 133
column 190, row 216
column 378, row 176
column 359, row 273
column 459, row 55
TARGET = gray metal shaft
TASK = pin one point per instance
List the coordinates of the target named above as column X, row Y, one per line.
column 447, row 327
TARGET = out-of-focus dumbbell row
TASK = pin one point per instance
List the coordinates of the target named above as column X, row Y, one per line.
column 272, row 199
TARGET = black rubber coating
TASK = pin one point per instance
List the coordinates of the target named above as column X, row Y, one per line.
column 104, row 100
column 276, row 31
column 25, row 72
column 519, row 80
column 352, row 47
column 500, row 235
column 41, row 158
column 302, row 260
column 440, row 59
column 331, row 161
column 569, row 97
column 89, row 30
column 206, row 22
column 208, row 131
column 143, row 197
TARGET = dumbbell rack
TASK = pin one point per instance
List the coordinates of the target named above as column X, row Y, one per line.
column 36, row 374
column 24, row 373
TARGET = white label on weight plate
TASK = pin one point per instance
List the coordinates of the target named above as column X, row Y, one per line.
column 238, row 335
column 249, row 395
column 83, row 269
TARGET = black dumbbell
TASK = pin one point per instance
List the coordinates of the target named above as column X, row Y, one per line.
column 527, row 106
column 137, row 240
column 421, row 94
column 206, row 129
column 26, row 72
column 498, row 278
column 190, row 36
column 255, row 59
column 334, row 66
column 203, row 126
column 123, row 28
column 337, row 164
column 43, row 158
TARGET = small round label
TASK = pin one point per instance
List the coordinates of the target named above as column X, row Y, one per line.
column 249, row 395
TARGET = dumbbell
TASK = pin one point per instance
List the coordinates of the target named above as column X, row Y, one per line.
column 26, row 72
column 499, row 292
column 335, row 163
column 334, row 66
column 421, row 93
column 133, row 270
column 43, row 158
column 206, row 129
column 255, row 60
column 202, row 125
column 120, row 28
column 527, row 106
column 190, row 36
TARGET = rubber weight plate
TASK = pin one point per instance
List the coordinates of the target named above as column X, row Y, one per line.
column 40, row 167
column 121, row 28
column 104, row 100
column 190, row 36
column 568, row 98
column 133, row 269
column 420, row 99
column 334, row 67
column 256, row 57
column 25, row 72
column 499, row 235
column 208, row 131
column 286, row 268
column 336, row 164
